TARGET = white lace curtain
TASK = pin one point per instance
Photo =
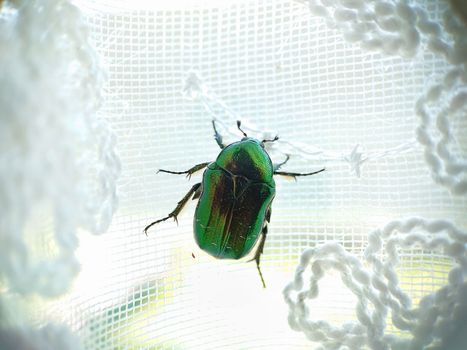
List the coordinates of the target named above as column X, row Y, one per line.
column 95, row 96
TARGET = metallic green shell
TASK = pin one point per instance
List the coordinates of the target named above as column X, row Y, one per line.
column 234, row 200
column 247, row 158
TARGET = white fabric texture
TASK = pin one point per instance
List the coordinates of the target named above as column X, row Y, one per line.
column 96, row 96
column 58, row 166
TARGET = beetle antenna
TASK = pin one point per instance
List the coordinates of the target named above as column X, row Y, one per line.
column 274, row 139
column 239, row 123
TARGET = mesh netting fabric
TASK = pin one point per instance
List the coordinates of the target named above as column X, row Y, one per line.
column 369, row 254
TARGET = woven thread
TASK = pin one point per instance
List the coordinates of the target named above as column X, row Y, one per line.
column 195, row 89
column 51, row 141
column 377, row 284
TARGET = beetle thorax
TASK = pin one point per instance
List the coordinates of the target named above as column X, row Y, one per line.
column 247, row 158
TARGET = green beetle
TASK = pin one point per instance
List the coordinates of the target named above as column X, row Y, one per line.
column 235, row 198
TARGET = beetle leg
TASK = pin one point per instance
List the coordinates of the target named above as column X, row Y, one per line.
column 217, row 136
column 189, row 172
column 259, row 251
column 294, row 175
column 197, row 193
column 278, row 166
column 178, row 208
